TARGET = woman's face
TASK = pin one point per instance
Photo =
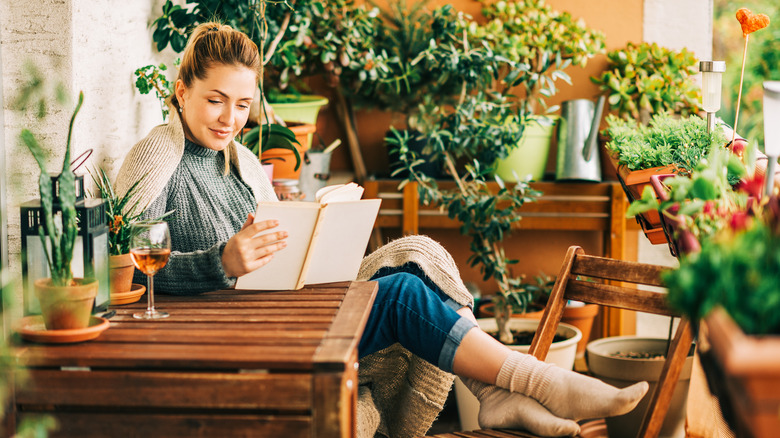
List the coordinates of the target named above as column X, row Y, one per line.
column 216, row 108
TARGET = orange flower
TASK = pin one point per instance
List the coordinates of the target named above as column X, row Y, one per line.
column 116, row 225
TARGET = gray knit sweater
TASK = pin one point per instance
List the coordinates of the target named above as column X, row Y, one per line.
column 208, row 208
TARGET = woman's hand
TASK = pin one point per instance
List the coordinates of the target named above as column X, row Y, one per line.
column 248, row 250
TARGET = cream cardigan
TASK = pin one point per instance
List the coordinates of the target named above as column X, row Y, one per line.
column 400, row 394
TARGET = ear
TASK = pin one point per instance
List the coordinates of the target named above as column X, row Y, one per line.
column 179, row 90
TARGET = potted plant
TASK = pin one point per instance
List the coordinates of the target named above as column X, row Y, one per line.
column 693, row 208
column 731, row 285
column 66, row 302
column 644, row 79
column 120, row 216
column 544, row 42
column 667, row 145
column 281, row 147
column 624, row 360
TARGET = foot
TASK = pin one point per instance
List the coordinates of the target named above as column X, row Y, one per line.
column 565, row 393
column 510, row 410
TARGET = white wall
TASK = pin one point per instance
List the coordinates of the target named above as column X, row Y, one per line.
column 94, row 46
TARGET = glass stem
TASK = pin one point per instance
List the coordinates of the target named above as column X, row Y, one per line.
column 150, row 296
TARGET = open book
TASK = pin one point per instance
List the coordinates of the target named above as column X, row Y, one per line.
column 326, row 239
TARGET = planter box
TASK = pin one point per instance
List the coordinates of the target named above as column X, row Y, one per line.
column 634, row 183
column 744, row 373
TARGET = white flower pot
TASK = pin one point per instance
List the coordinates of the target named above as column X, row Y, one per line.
column 622, row 372
column 561, row 353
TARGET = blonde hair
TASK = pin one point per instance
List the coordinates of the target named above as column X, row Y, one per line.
column 213, row 44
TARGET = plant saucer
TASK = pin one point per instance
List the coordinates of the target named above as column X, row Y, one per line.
column 32, row 328
column 134, row 294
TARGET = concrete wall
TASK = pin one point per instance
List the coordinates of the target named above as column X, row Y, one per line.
column 94, row 47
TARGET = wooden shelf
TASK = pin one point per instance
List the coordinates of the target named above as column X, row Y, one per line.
column 562, row 206
column 599, row 207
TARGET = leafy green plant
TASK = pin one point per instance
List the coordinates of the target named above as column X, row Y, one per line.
column 484, row 120
column 274, row 136
column 541, row 42
column 60, row 226
column 120, row 215
column 152, row 77
column 649, row 77
column 405, row 68
column 682, row 142
column 727, row 266
column 701, row 204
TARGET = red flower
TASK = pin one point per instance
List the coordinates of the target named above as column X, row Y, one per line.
column 709, row 207
column 739, row 221
column 753, row 186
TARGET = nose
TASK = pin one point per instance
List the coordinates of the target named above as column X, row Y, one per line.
column 227, row 114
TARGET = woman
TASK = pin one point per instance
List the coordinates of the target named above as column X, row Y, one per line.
column 195, row 168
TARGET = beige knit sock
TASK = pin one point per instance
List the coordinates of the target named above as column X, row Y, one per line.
column 566, row 393
column 499, row 408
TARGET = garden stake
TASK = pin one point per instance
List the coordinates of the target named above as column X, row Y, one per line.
column 750, row 23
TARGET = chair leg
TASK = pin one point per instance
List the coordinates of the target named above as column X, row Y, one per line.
column 553, row 312
column 662, row 396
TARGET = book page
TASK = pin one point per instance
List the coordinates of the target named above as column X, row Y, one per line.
column 283, row 271
column 341, row 240
column 339, row 193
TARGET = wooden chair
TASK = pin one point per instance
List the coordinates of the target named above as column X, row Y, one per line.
column 603, row 281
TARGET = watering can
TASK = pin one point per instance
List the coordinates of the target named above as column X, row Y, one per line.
column 578, row 155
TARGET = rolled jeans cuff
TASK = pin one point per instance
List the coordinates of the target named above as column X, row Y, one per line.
column 451, row 344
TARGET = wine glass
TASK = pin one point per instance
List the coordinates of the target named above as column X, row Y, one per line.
column 150, row 247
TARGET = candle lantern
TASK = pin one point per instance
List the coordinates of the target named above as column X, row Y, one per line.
column 771, row 129
column 90, row 253
column 711, row 78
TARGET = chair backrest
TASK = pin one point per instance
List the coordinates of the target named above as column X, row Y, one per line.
column 611, row 282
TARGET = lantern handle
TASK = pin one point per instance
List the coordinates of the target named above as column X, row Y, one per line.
column 81, row 157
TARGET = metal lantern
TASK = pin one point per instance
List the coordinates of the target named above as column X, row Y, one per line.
column 771, row 129
column 711, row 77
column 90, row 253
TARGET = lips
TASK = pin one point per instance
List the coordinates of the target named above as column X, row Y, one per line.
column 221, row 133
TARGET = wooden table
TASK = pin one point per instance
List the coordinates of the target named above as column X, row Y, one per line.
column 226, row 363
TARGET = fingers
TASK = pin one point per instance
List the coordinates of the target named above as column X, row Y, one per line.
column 250, row 219
column 251, row 248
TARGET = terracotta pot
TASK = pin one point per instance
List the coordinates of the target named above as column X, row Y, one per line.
column 634, row 183
column 743, row 372
column 121, row 268
column 581, row 317
column 487, row 310
column 284, row 159
column 66, row 307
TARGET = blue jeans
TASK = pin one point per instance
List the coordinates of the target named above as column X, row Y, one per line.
column 409, row 309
